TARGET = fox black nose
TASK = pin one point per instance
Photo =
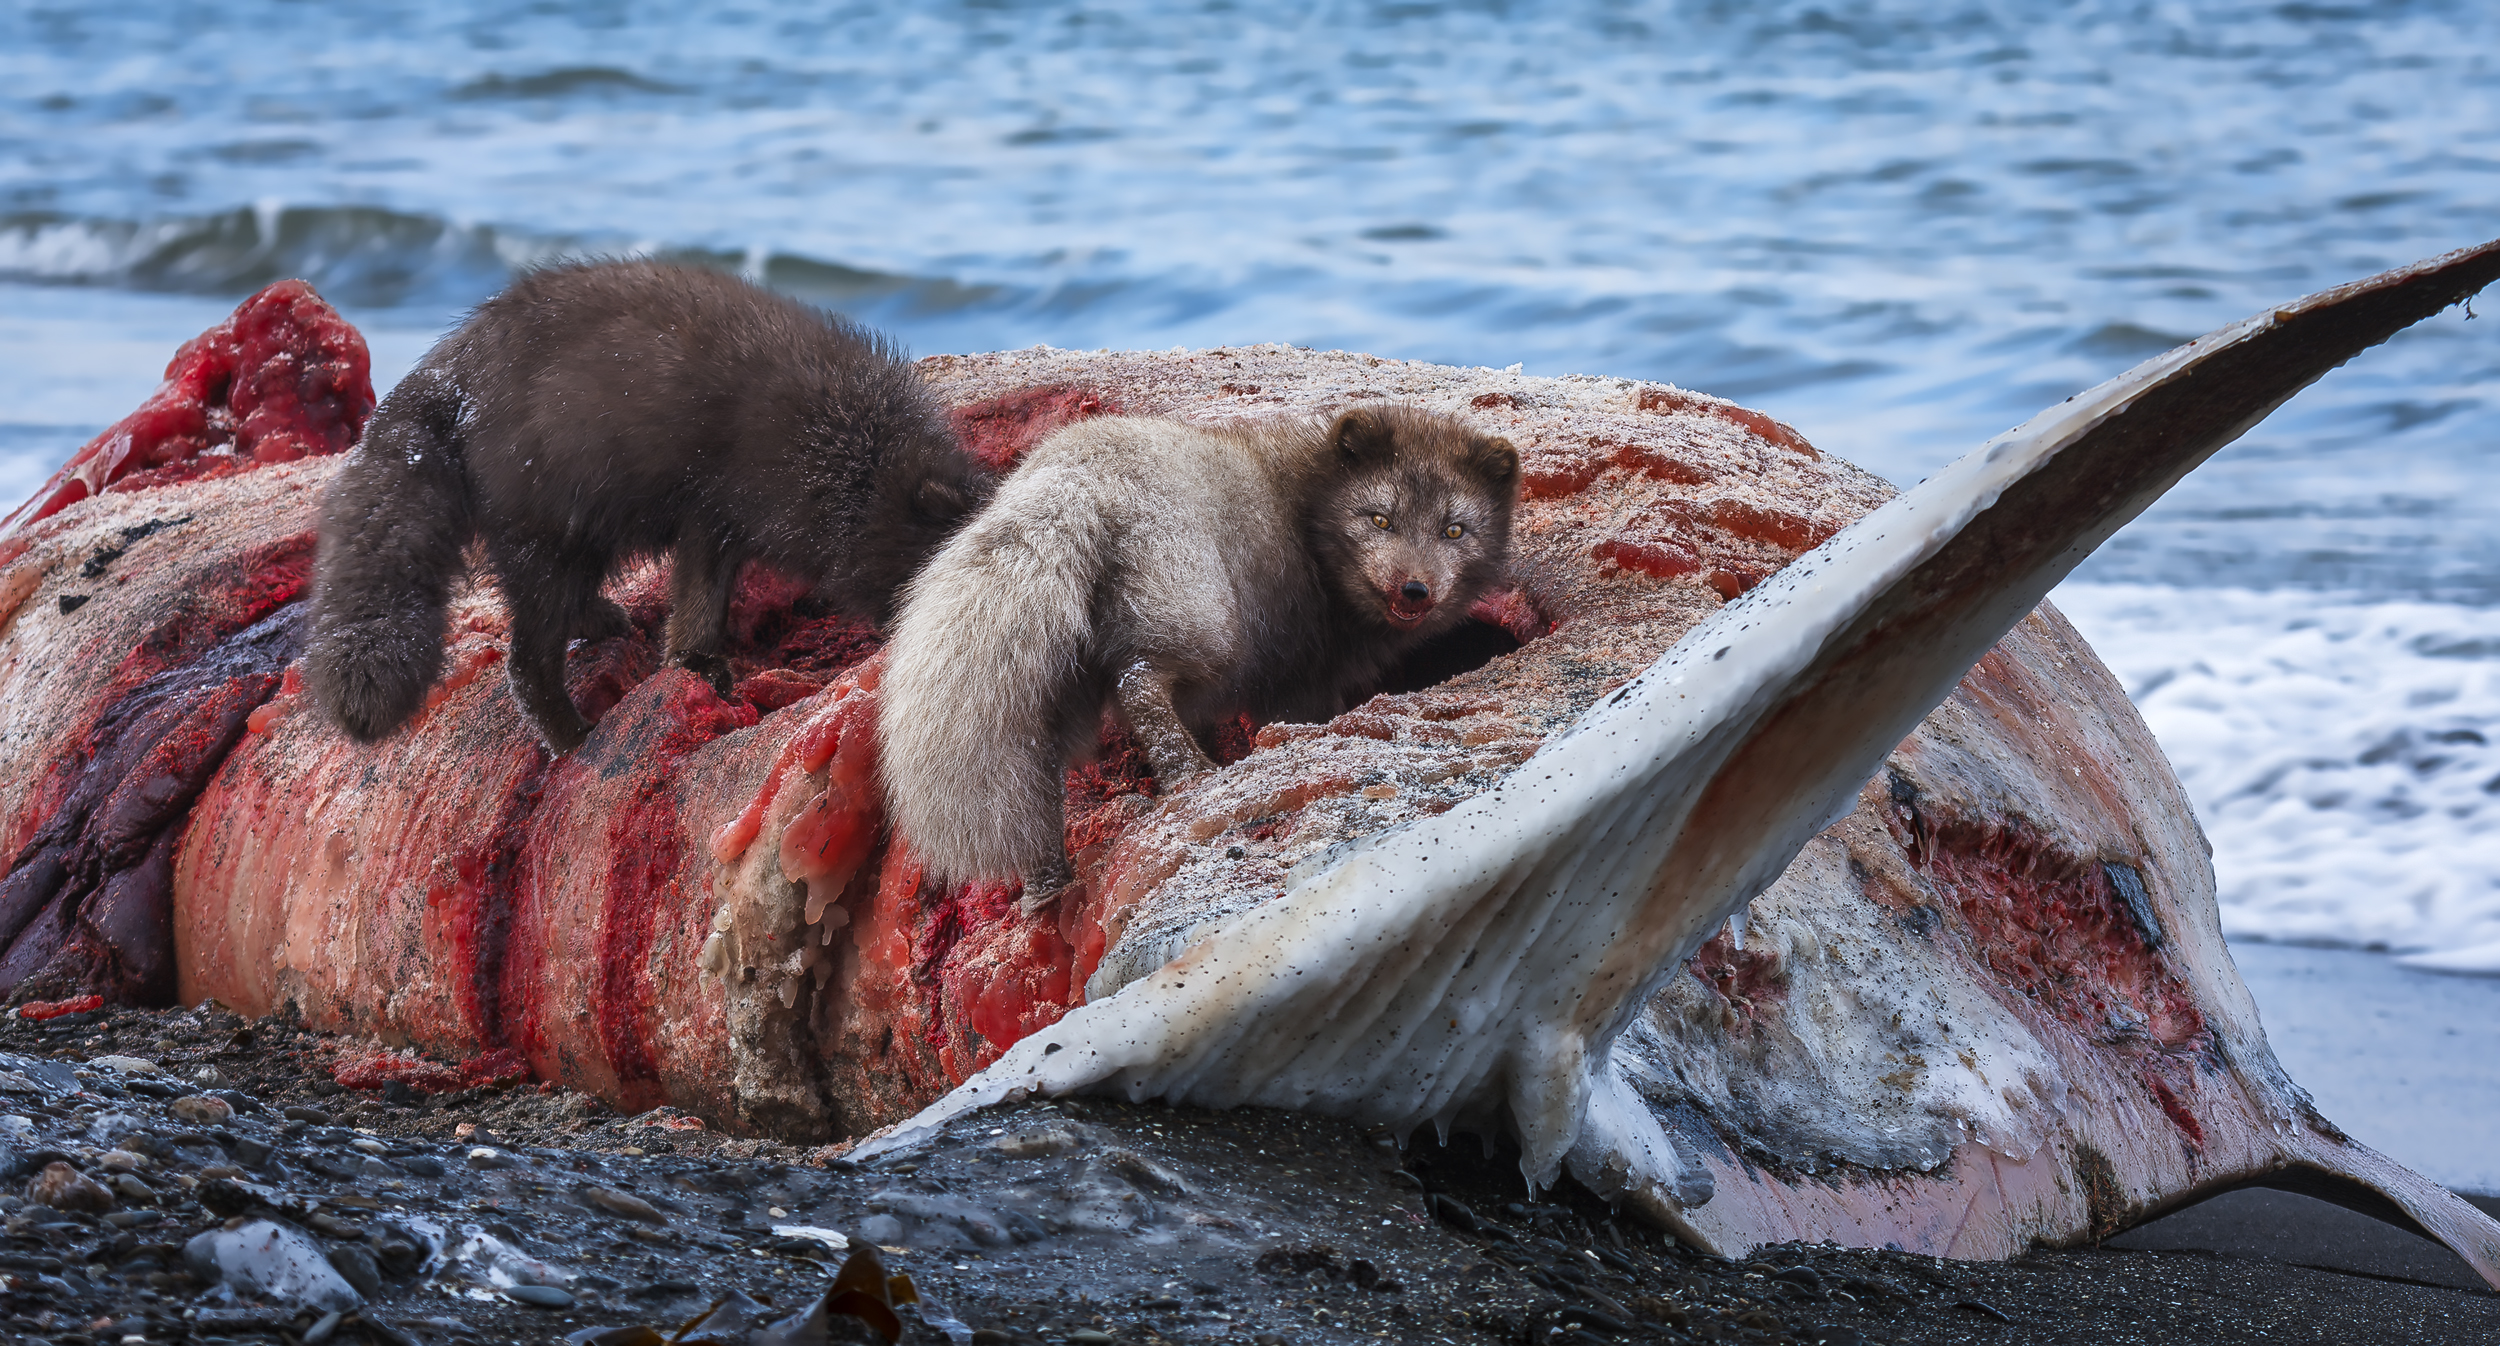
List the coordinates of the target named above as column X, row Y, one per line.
column 1416, row 591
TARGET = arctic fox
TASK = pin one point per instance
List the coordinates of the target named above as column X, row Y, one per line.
column 1181, row 573
column 591, row 413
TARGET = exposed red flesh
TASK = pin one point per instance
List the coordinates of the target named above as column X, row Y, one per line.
column 373, row 1069
column 284, row 378
column 41, row 1010
column 998, row 430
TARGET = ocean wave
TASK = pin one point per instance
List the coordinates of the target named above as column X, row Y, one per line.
column 2343, row 755
column 565, row 81
column 371, row 257
column 354, row 254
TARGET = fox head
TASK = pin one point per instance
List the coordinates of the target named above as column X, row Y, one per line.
column 1413, row 520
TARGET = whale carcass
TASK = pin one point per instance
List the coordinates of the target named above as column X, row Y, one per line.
column 1973, row 995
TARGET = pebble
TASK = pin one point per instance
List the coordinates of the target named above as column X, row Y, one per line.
column 1804, row 1278
column 1037, row 1142
column 127, row 1065
column 367, row 1144
column 358, row 1268
column 1984, row 1309
column 201, row 1109
column 273, row 1260
column 1086, row 1336
column 619, row 1203
column 121, row 1161
column 243, row 1104
column 133, row 1189
column 326, row 1223
column 64, row 1188
column 546, row 1297
column 816, row 1234
column 398, row 1256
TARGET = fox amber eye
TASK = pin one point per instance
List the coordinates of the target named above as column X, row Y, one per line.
column 1455, row 530
column 1380, row 521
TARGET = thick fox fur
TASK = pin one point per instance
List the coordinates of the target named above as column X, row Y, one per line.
column 592, row 413
column 1180, row 574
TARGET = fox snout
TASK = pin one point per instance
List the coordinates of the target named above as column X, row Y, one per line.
column 1410, row 602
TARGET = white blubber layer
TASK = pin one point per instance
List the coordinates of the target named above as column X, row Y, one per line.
column 2344, row 757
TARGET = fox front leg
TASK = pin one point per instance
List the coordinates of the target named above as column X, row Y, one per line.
column 698, row 610
column 1145, row 698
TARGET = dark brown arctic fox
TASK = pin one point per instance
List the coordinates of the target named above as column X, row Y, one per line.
column 597, row 412
column 1181, row 574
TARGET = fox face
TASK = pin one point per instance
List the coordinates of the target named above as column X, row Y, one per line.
column 1417, row 521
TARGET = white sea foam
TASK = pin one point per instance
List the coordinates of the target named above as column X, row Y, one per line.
column 2343, row 754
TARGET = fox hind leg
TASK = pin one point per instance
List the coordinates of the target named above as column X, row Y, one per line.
column 602, row 619
column 1145, row 701
column 546, row 606
column 1043, row 885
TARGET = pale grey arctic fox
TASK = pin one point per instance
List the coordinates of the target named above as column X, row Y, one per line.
column 1181, row 574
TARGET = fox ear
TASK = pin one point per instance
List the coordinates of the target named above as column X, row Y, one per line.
column 1498, row 460
column 1363, row 437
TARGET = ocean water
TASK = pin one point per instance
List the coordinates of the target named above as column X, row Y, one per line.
column 1901, row 226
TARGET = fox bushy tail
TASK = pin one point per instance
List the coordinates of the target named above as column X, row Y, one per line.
column 988, row 684
column 394, row 524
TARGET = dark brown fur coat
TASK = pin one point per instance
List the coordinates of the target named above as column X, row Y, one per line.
column 593, row 413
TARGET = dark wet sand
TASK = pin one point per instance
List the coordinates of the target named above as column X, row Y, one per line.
column 2407, row 1062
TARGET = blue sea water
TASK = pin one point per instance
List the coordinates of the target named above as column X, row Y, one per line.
column 1900, row 225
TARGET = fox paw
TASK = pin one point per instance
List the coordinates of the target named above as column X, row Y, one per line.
column 709, row 667
column 1043, row 890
